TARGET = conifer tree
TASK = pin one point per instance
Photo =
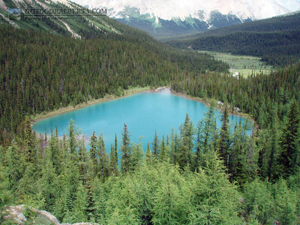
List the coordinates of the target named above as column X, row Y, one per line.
column 126, row 151
column 116, row 150
column 29, row 142
column 289, row 156
column 113, row 161
column 80, row 207
column 90, row 207
column 185, row 155
column 206, row 137
column 73, row 134
column 137, row 155
column 103, row 158
column 155, row 147
column 162, row 156
column 274, row 147
column 148, row 154
column 224, row 138
column 175, row 146
column 93, row 154
column 5, row 194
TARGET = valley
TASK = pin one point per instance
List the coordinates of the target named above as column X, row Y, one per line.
column 89, row 136
column 242, row 65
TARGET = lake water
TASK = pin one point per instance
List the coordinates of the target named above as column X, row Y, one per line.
column 143, row 113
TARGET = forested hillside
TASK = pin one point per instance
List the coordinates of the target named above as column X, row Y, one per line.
column 276, row 40
column 41, row 72
column 198, row 174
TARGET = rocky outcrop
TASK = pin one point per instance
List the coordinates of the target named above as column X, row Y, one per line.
column 16, row 214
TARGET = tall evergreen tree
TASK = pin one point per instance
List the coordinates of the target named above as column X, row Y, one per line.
column 113, row 161
column 93, row 154
column 90, row 207
column 206, row 137
column 162, row 156
column 274, row 147
column 155, row 147
column 289, row 156
column 175, row 146
column 116, row 149
column 29, row 142
column 148, row 154
column 103, row 158
column 224, row 138
column 185, row 155
column 126, row 151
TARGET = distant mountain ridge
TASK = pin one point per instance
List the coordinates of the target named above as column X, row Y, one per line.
column 50, row 18
column 174, row 17
column 275, row 40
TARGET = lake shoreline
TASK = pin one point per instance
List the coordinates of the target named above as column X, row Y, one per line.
column 219, row 107
column 106, row 98
column 127, row 93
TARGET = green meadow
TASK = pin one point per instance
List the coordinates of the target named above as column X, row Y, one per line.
column 244, row 65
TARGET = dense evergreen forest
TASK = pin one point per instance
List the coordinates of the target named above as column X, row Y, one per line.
column 276, row 40
column 41, row 72
column 198, row 174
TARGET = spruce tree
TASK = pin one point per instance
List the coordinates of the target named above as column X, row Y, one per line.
column 148, row 154
column 155, row 147
column 90, row 208
column 116, row 149
column 29, row 142
column 162, row 156
column 289, row 143
column 126, row 151
column 103, row 158
column 224, row 138
column 185, row 154
column 93, row 154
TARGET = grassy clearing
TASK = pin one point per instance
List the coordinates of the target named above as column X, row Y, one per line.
column 244, row 65
column 130, row 91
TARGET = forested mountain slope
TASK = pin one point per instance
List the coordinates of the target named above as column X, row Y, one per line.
column 58, row 17
column 41, row 72
column 56, row 70
column 276, row 40
column 197, row 174
column 183, row 178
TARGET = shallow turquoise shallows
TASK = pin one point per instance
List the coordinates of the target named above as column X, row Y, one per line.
column 143, row 113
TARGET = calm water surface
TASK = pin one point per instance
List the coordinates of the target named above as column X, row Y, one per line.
column 143, row 113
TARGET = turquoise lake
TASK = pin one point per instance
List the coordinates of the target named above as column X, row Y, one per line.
column 143, row 113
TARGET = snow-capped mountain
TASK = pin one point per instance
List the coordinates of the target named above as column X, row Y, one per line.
column 165, row 16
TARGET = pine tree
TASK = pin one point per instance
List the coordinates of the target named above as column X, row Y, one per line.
column 185, row 155
column 224, row 138
column 155, row 147
column 206, row 137
column 90, row 208
column 162, row 156
column 148, row 154
column 73, row 133
column 289, row 142
column 103, row 158
column 126, row 151
column 137, row 155
column 93, row 154
column 29, row 142
column 116, row 149
column 5, row 194
column 79, row 209
column 175, row 146
column 274, row 147
column 113, row 161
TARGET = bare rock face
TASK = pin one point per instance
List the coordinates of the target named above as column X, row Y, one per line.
column 16, row 214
